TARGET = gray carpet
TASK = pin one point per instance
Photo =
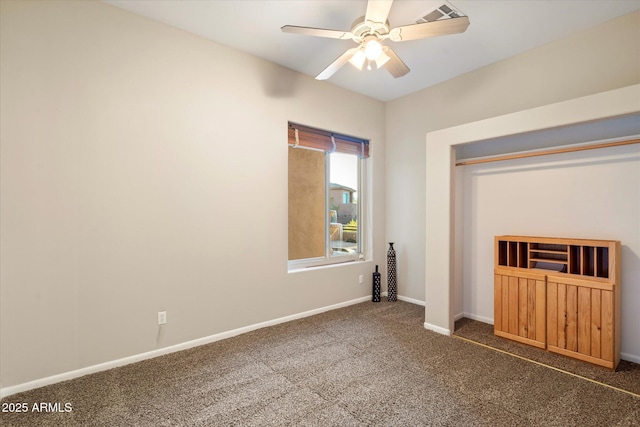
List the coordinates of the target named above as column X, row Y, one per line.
column 626, row 376
column 367, row 364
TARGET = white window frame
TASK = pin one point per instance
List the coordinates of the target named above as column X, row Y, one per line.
column 328, row 259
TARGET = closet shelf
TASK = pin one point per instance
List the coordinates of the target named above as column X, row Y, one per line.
column 555, row 261
column 549, row 251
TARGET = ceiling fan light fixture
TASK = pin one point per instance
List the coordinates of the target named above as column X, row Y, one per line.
column 372, row 49
column 358, row 58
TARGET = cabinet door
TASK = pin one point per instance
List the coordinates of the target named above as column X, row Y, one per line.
column 519, row 307
column 580, row 319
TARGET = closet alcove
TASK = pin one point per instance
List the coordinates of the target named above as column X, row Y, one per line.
column 456, row 275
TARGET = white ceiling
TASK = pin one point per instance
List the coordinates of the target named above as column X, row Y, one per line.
column 498, row 30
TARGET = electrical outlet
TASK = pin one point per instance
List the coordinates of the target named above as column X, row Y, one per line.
column 361, row 279
column 162, row 317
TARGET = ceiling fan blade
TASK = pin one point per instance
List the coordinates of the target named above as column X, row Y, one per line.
column 378, row 10
column 337, row 64
column 429, row 29
column 394, row 65
column 317, row 32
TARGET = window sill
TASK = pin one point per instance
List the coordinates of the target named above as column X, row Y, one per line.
column 324, row 264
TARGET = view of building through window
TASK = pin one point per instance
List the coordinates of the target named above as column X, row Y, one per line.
column 325, row 174
column 343, row 198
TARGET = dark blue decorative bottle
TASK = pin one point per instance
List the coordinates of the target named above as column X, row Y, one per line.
column 375, row 293
column 392, row 281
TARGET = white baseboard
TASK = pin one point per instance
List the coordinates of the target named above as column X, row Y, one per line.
column 19, row 388
column 473, row 317
column 406, row 299
column 437, row 329
column 478, row 318
column 630, row 357
column 411, row 300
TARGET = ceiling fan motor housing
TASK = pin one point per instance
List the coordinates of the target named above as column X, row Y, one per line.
column 362, row 28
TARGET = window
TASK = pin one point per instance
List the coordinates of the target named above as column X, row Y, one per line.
column 326, row 172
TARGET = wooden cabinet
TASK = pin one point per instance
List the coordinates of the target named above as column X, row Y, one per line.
column 581, row 320
column 562, row 295
column 519, row 307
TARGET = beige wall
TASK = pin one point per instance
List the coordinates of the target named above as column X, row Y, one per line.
column 596, row 60
column 145, row 169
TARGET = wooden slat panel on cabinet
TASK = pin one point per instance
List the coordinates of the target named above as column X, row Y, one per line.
column 606, row 339
column 552, row 314
column 497, row 302
column 513, row 305
column 505, row 304
column 596, row 282
column 520, row 339
column 596, row 325
column 613, row 256
column 522, row 307
column 562, row 315
column 584, row 320
column 579, row 356
column 521, row 272
column 531, row 309
column 540, row 316
column 572, row 318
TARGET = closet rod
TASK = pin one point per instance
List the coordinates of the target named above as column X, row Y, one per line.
column 547, row 152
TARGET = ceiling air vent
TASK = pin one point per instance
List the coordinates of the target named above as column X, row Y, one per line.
column 445, row 11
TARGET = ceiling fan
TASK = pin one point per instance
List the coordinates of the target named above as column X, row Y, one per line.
column 371, row 30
